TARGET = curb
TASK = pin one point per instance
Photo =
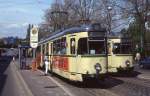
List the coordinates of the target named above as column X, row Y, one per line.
column 144, row 76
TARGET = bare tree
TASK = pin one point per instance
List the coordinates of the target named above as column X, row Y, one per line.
column 140, row 11
column 44, row 30
column 56, row 16
column 69, row 13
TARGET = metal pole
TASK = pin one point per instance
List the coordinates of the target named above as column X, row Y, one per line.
column 141, row 49
column 34, row 61
column 107, row 35
column 109, row 19
column 19, row 57
column 34, row 53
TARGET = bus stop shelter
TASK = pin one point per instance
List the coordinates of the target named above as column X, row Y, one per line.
column 23, row 54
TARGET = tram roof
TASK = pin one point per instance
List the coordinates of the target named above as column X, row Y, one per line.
column 83, row 28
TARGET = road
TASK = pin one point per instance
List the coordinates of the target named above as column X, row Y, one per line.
column 11, row 83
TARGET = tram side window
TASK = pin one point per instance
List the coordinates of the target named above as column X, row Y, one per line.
column 59, row 46
column 47, row 49
column 126, row 49
column 72, row 45
column 63, row 46
column 116, row 48
column 82, row 46
column 120, row 48
column 54, row 47
column 51, row 48
column 43, row 49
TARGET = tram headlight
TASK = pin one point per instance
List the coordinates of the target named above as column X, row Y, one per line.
column 127, row 63
column 98, row 67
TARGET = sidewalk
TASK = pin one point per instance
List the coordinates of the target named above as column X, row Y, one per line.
column 41, row 85
column 145, row 74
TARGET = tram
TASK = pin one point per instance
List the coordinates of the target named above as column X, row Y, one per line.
column 120, row 56
column 77, row 53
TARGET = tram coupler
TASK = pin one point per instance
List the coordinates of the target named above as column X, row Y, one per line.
column 97, row 74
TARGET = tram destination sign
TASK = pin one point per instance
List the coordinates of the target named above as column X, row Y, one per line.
column 34, row 37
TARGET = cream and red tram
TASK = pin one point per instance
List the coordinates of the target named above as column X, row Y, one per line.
column 77, row 53
column 120, row 56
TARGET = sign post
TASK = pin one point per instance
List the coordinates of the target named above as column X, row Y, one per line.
column 34, row 42
column 34, row 37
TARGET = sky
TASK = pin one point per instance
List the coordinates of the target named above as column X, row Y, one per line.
column 15, row 15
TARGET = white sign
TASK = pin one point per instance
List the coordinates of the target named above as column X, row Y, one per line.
column 34, row 37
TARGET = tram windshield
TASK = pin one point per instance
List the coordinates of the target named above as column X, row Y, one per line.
column 122, row 48
column 91, row 47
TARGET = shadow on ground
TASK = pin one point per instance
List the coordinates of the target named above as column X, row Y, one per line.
column 90, row 83
column 125, row 74
column 4, row 63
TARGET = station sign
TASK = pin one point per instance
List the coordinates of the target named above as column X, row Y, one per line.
column 34, row 37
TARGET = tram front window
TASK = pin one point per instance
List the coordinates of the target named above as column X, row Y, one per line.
column 82, row 46
column 122, row 48
column 90, row 47
column 96, row 47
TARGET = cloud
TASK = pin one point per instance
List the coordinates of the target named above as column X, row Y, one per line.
column 14, row 31
column 17, row 14
column 25, row 24
column 13, row 25
column 21, row 10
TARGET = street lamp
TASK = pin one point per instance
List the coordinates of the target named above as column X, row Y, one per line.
column 108, row 32
column 109, row 8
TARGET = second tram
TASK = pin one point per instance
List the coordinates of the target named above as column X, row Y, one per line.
column 120, row 57
column 77, row 53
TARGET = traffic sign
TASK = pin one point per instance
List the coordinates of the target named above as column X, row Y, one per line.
column 34, row 37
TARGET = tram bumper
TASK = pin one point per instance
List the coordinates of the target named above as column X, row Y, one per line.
column 128, row 67
column 125, row 69
column 97, row 75
column 93, row 76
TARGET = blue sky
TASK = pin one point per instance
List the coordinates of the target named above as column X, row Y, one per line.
column 15, row 15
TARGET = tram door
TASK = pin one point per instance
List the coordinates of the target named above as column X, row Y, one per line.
column 73, row 51
column 112, row 55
